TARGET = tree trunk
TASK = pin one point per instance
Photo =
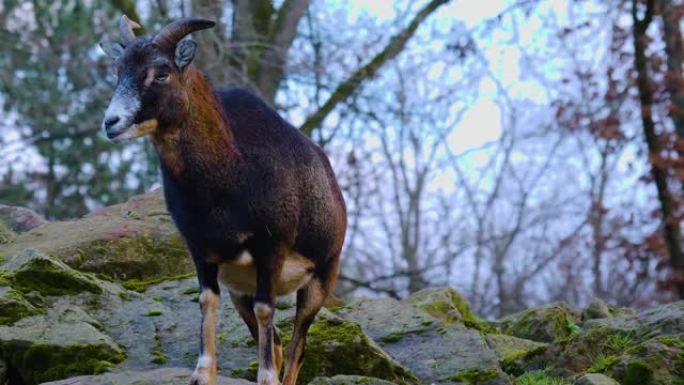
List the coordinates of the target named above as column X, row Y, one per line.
column 671, row 226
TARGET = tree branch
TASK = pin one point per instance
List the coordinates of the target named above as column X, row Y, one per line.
column 282, row 34
column 349, row 86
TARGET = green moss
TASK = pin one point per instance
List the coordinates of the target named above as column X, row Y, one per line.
column 192, row 290
column 50, row 276
column 154, row 313
column 637, row 373
column 554, row 322
column 157, row 298
column 618, row 342
column 393, row 337
column 157, row 351
column 337, row 346
column 124, row 295
column 280, row 305
column 602, row 364
column 540, row 377
column 4, row 278
column 141, row 285
column 251, row 372
column 149, row 256
column 38, row 363
column 14, row 306
column 448, row 306
column 572, row 329
column 475, row 377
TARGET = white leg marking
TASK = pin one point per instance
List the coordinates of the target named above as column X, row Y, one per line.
column 266, row 377
column 204, row 361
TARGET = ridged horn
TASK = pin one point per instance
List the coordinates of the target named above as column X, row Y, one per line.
column 127, row 26
column 170, row 35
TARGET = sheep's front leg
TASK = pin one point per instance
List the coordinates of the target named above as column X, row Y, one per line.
column 205, row 373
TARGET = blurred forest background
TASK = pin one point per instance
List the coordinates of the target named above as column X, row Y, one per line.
column 521, row 151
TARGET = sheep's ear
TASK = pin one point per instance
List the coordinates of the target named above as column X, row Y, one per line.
column 112, row 49
column 185, row 52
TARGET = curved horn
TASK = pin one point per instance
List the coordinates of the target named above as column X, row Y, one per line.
column 175, row 31
column 127, row 26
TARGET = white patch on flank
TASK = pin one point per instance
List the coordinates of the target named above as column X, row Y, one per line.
column 204, row 361
column 239, row 275
column 245, row 259
column 266, row 377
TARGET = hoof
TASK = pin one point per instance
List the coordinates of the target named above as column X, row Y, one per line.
column 203, row 377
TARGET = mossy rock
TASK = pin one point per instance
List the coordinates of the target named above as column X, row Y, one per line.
column 434, row 350
column 6, row 234
column 162, row 376
column 349, row 380
column 546, row 323
column 133, row 240
column 647, row 348
column 597, row 309
column 514, row 353
column 595, row 379
column 14, row 306
column 337, row 346
column 658, row 361
column 447, row 305
column 56, row 346
column 34, row 271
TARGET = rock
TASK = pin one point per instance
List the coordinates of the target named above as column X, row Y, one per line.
column 645, row 349
column 514, row 353
column 132, row 240
column 161, row 326
column 6, row 235
column 597, row 309
column 447, row 305
column 34, row 271
column 14, row 306
column 349, row 380
column 20, row 219
column 337, row 346
column 595, row 379
column 56, row 345
column 436, row 352
column 543, row 324
column 165, row 376
column 658, row 361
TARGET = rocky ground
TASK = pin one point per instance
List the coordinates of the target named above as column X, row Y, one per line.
column 111, row 299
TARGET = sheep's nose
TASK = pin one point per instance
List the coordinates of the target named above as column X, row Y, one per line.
column 110, row 122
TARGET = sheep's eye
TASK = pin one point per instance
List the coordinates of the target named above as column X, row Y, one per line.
column 161, row 77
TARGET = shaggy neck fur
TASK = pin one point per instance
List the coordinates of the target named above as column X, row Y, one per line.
column 200, row 138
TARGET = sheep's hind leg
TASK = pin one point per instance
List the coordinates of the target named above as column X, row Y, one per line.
column 244, row 303
column 268, row 267
column 310, row 299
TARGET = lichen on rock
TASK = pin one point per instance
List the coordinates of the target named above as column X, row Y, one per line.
column 14, row 306
column 54, row 346
column 338, row 346
column 447, row 305
column 34, row 271
column 543, row 323
column 514, row 353
column 133, row 240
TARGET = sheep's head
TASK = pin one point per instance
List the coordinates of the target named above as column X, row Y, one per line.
column 150, row 85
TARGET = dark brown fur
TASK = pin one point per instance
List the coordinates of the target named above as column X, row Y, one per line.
column 238, row 178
